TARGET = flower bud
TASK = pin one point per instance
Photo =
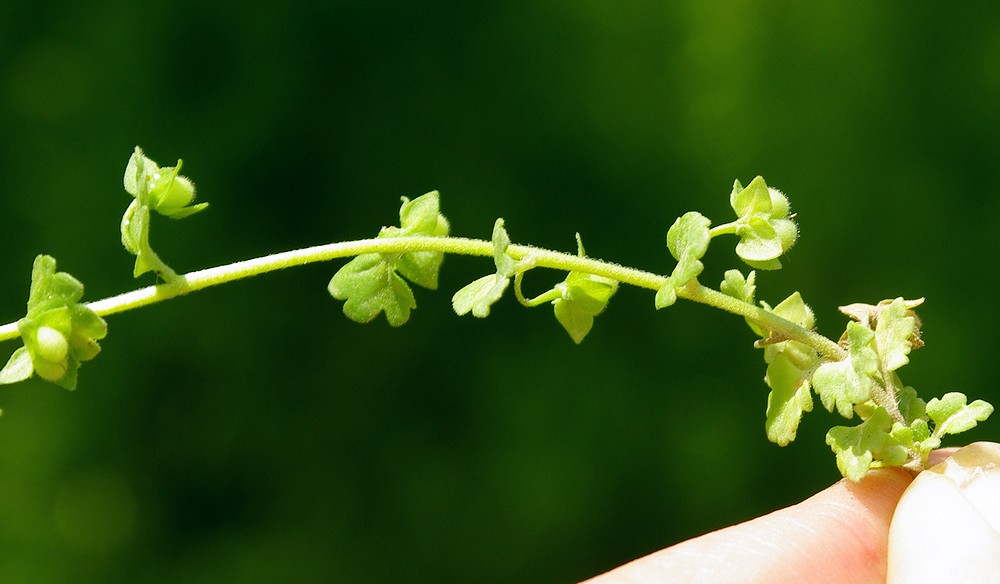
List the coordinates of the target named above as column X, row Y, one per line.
column 787, row 232
column 779, row 203
column 169, row 192
column 52, row 345
column 52, row 359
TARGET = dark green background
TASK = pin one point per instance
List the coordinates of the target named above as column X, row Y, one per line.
column 251, row 433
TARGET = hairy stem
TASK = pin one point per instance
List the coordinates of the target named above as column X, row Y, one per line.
column 539, row 257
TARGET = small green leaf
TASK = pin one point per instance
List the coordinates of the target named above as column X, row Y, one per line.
column 790, row 396
column 688, row 240
column 856, row 447
column 911, row 406
column 135, row 239
column 370, row 285
column 759, row 241
column 752, row 200
column 18, row 368
column 951, row 414
column 794, row 310
column 51, row 289
column 893, row 334
column 738, row 287
column 422, row 216
column 506, row 266
column 480, row 295
column 842, row 384
column 584, row 296
column 666, row 295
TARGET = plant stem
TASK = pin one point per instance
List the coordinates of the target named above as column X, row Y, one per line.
column 200, row 279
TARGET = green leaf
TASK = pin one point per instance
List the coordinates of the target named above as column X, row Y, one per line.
column 480, row 295
column 794, row 310
column 584, row 296
column 666, row 295
column 18, row 368
column 856, row 447
column 422, row 216
column 135, row 239
column 51, row 289
column 790, row 396
column 894, row 331
column 951, row 414
column 687, row 240
column 738, row 287
column 911, row 406
column 370, row 285
column 752, row 200
column 758, row 241
column 842, row 384
column 505, row 264
column 373, row 283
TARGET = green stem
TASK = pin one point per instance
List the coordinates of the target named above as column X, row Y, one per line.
column 724, row 229
column 767, row 320
column 198, row 280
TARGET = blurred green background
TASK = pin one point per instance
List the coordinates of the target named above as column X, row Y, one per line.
column 251, row 433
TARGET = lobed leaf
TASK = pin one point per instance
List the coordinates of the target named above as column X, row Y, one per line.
column 842, row 384
column 790, row 397
column 738, row 287
column 794, row 310
column 687, row 240
column 952, row 415
column 894, row 330
column 856, row 447
column 370, row 286
column 480, row 295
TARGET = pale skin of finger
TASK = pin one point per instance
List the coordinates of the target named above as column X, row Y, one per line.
column 947, row 524
column 838, row 536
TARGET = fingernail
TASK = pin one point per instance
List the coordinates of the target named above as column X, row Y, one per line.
column 975, row 470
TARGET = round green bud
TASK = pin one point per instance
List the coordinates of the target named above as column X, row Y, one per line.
column 169, row 192
column 779, row 203
column 52, row 345
column 52, row 358
column 787, row 232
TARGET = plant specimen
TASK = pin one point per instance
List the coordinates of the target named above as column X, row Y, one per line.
column 856, row 376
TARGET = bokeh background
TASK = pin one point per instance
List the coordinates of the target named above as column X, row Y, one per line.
column 251, row 433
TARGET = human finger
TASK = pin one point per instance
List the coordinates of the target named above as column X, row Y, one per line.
column 947, row 524
column 837, row 536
